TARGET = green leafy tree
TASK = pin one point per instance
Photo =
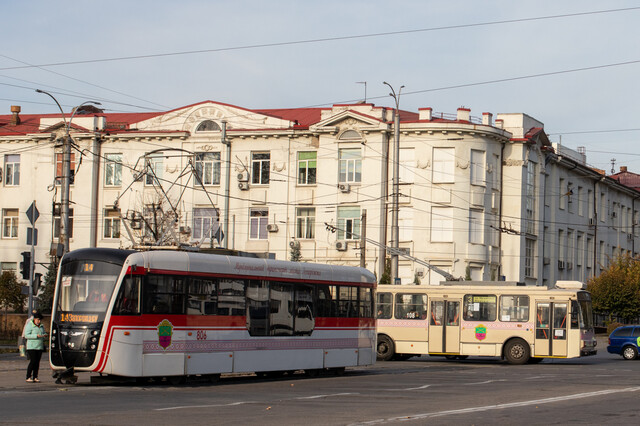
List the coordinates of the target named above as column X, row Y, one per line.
column 45, row 298
column 616, row 290
column 11, row 296
column 386, row 276
column 295, row 255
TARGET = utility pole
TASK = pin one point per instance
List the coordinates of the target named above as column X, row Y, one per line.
column 225, row 227
column 66, row 173
column 363, row 238
column 395, row 237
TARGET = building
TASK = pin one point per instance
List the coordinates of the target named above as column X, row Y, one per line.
column 482, row 199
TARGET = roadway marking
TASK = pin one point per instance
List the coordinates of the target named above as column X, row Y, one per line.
column 499, row 406
column 231, row 404
column 487, row 381
column 409, row 389
column 326, row 396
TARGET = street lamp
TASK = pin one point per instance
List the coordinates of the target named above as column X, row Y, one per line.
column 66, row 172
column 395, row 234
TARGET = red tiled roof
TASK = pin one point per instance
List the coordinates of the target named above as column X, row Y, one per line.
column 629, row 179
column 303, row 116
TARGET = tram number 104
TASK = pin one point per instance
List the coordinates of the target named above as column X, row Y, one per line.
column 201, row 335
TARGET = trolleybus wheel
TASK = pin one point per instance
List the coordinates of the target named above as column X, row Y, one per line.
column 386, row 348
column 517, row 351
column 629, row 352
column 462, row 356
column 451, row 356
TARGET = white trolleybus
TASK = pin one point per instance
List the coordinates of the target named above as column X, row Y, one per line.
column 499, row 319
column 161, row 314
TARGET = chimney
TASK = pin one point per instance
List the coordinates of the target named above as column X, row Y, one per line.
column 623, row 168
column 464, row 114
column 487, row 119
column 425, row 113
column 15, row 110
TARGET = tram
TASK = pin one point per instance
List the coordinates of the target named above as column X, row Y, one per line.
column 176, row 314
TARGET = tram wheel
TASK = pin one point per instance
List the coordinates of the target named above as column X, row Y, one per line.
column 517, row 352
column 385, row 349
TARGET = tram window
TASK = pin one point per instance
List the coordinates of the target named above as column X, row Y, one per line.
column 127, row 302
column 437, row 312
column 164, row 294
column 514, row 308
column 411, row 306
column 203, row 296
column 231, row 297
column 281, row 309
column 304, row 321
column 366, row 303
column 257, row 308
column 347, row 301
column 327, row 301
column 385, row 304
column 480, row 307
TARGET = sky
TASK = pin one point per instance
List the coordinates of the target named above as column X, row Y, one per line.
column 137, row 56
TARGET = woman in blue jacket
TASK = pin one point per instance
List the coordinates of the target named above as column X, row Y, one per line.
column 35, row 335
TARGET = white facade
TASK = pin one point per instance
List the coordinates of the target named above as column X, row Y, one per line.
column 481, row 200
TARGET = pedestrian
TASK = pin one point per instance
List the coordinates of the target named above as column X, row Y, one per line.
column 23, row 340
column 35, row 335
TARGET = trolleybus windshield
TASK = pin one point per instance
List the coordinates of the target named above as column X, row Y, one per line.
column 86, row 287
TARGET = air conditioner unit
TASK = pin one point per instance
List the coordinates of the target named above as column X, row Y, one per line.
column 560, row 264
column 341, row 245
column 569, row 266
column 243, row 186
column 420, row 272
column 136, row 224
column 344, row 188
column 546, row 261
column 272, row 227
column 592, row 221
column 294, row 244
column 243, row 176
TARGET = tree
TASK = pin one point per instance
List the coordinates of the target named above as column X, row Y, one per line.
column 386, row 275
column 295, row 254
column 616, row 291
column 45, row 298
column 11, row 296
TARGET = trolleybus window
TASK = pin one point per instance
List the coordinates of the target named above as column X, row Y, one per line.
column 437, row 312
column 480, row 307
column 411, row 306
column 514, row 308
column 385, row 304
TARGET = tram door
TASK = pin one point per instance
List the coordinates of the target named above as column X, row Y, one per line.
column 444, row 327
column 551, row 329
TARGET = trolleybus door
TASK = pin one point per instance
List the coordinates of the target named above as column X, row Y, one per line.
column 444, row 326
column 551, row 329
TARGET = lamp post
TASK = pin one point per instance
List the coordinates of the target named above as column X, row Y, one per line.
column 395, row 234
column 66, row 173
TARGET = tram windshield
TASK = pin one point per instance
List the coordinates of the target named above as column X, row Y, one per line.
column 87, row 286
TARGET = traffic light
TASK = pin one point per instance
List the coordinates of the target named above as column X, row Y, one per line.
column 25, row 265
column 37, row 281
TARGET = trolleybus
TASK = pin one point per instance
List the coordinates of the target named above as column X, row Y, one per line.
column 173, row 314
column 519, row 323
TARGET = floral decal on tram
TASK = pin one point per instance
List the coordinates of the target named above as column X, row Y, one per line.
column 165, row 331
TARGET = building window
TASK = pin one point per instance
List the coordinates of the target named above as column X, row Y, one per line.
column 444, row 165
column 111, row 223
column 350, row 165
column 260, row 164
column 478, row 169
column 153, row 170
column 208, row 167
column 441, row 224
column 258, row 220
column 72, row 168
column 529, row 257
column 580, row 201
column 113, row 170
column 307, row 162
column 476, row 228
column 305, row 222
column 205, row 223
column 12, row 169
column 9, row 223
column 348, row 223
column 56, row 224
column 208, row 126
column 8, row 267
column 563, row 195
column 530, row 194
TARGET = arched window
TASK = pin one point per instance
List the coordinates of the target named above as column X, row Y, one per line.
column 350, row 135
column 208, row 126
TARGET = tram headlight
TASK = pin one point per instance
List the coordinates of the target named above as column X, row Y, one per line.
column 93, row 346
column 94, row 332
column 94, row 340
column 53, row 338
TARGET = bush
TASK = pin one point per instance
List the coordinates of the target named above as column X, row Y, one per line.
column 612, row 326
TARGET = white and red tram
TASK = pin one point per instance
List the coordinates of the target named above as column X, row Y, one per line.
column 175, row 314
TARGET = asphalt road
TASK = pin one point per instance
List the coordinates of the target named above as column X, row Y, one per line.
column 478, row 391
